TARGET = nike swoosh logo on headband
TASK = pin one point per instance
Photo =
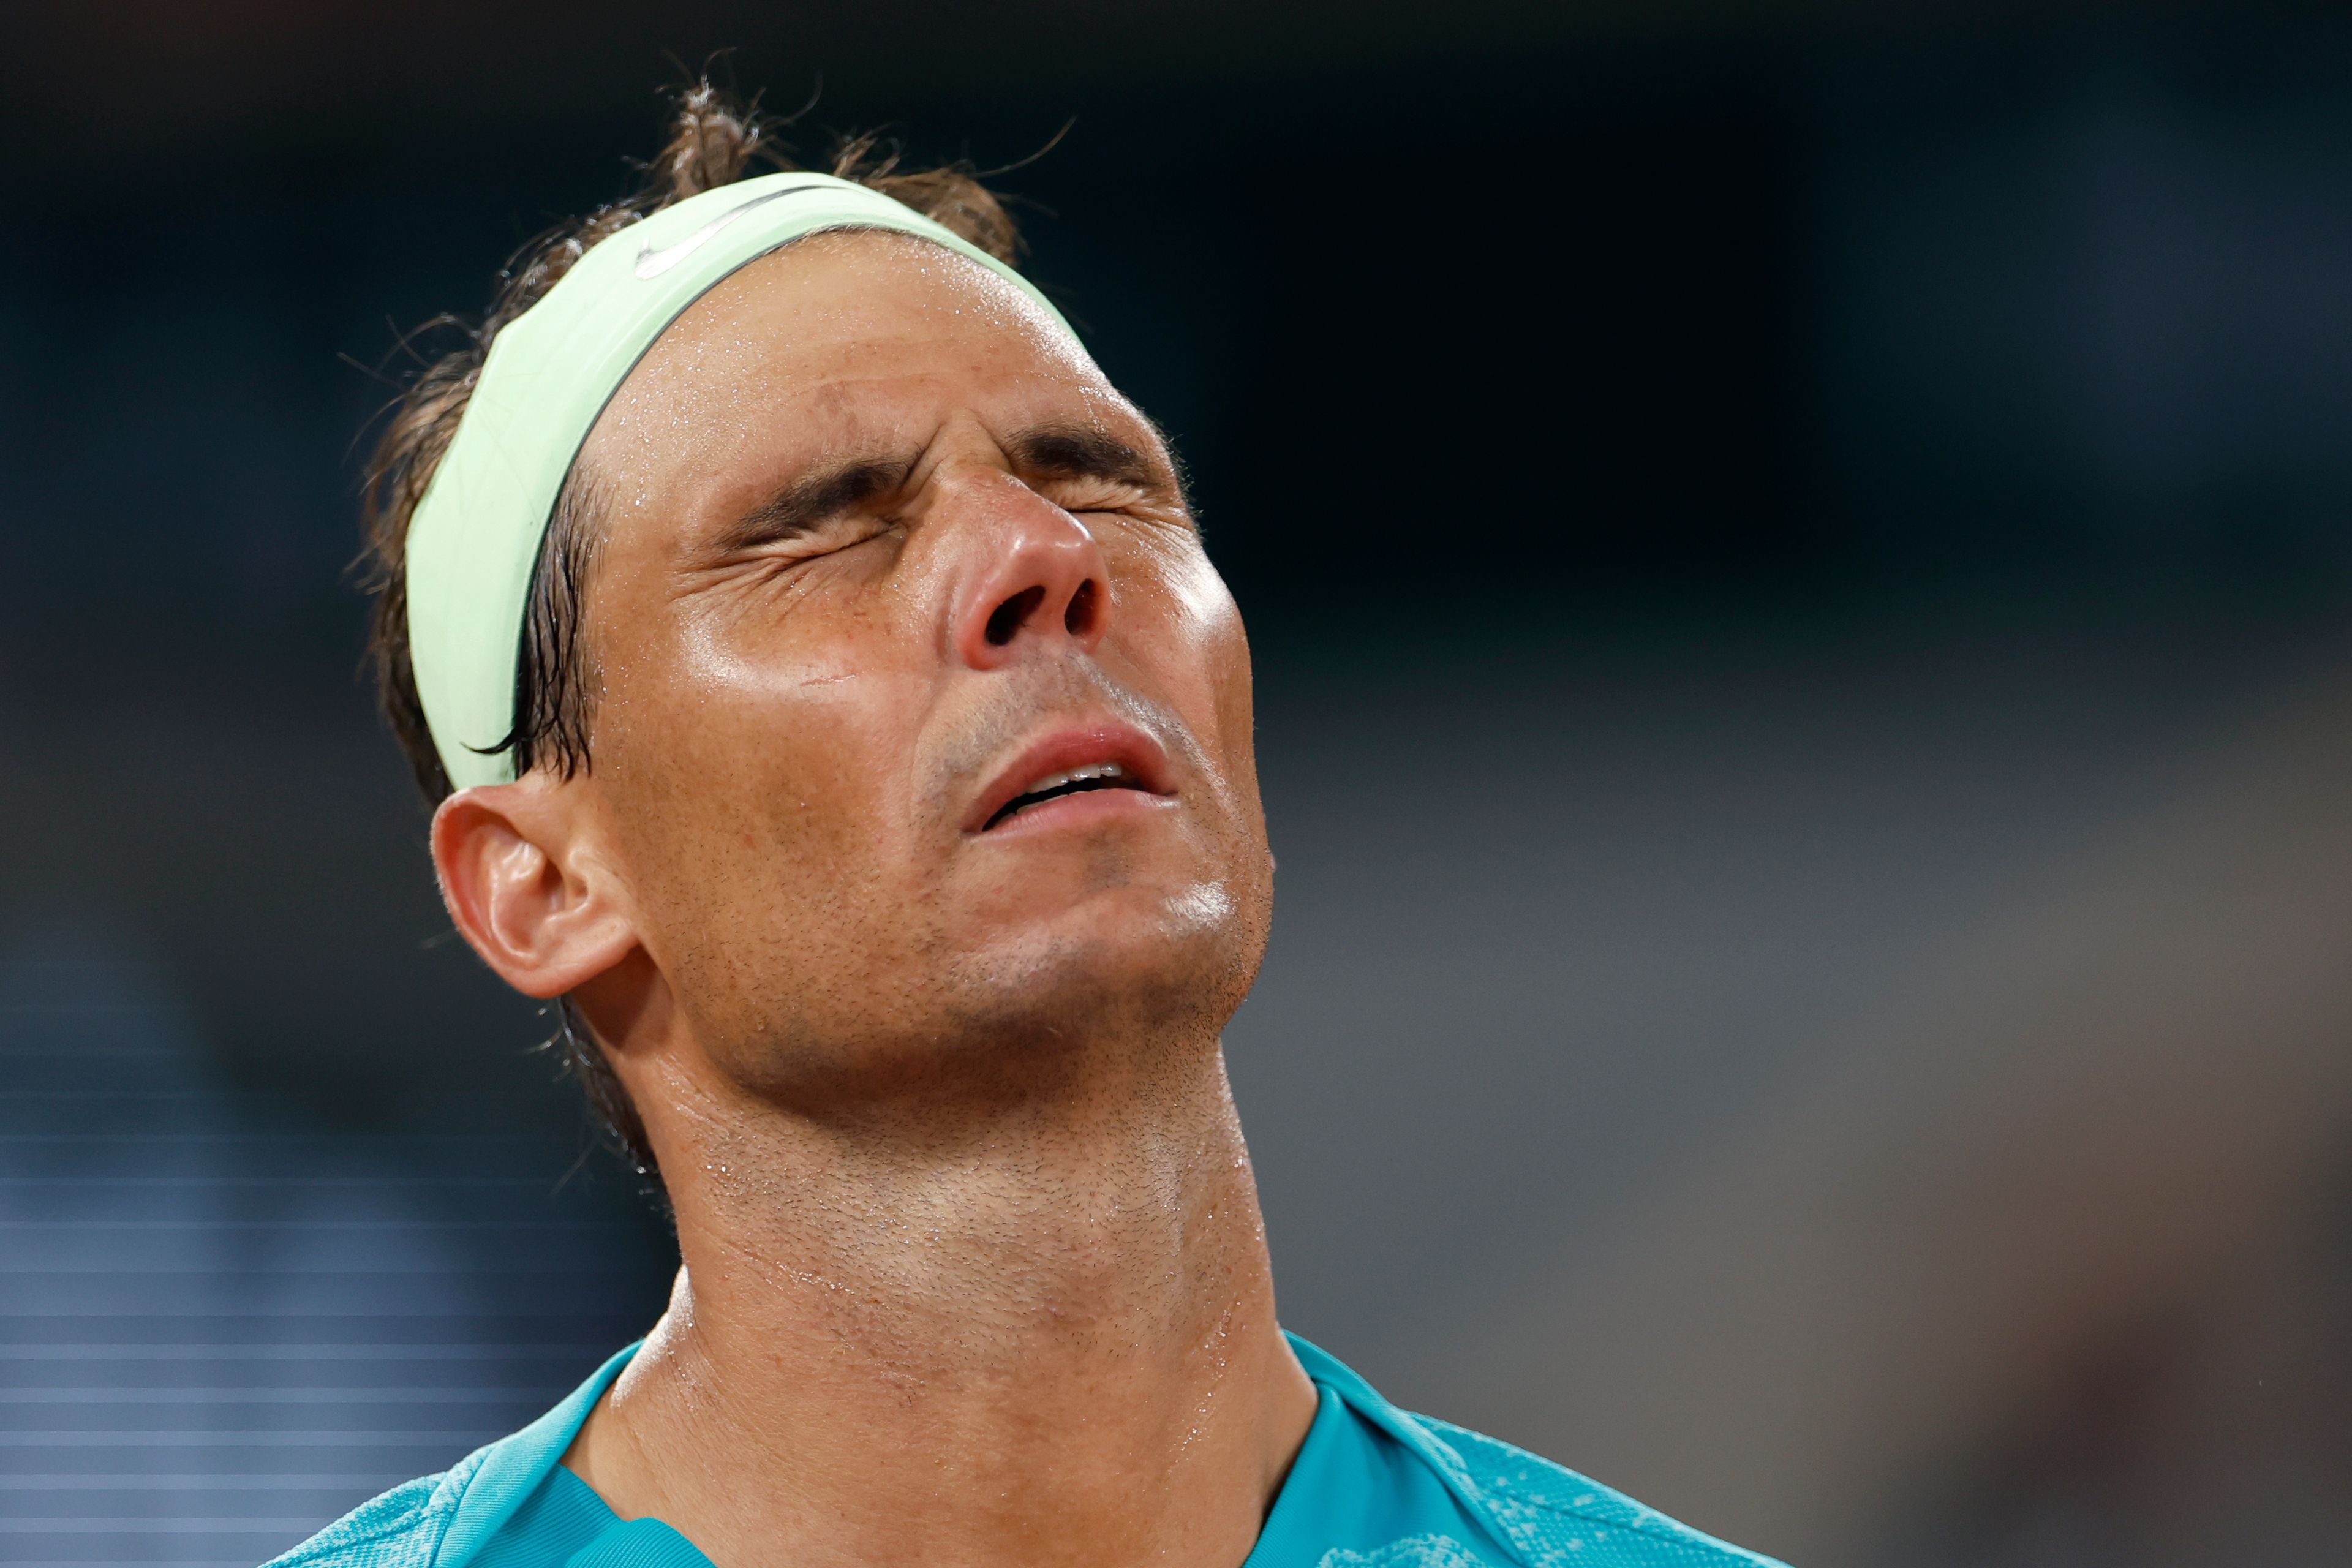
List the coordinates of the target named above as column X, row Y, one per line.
column 652, row 263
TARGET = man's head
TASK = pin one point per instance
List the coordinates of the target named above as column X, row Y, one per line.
column 883, row 722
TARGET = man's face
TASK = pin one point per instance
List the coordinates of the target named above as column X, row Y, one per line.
column 923, row 721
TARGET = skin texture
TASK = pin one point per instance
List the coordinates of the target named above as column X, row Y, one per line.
column 973, row 1270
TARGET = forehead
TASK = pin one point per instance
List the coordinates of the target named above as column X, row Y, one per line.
column 856, row 337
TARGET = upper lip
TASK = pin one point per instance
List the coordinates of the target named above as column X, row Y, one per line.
column 1066, row 750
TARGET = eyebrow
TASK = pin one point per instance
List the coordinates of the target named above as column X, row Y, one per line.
column 1074, row 452
column 814, row 498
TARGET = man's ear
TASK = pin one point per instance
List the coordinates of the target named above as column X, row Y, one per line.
column 521, row 880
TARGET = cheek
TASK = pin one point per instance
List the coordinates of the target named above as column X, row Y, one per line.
column 1211, row 631
column 1190, row 632
column 1200, row 591
column 747, row 764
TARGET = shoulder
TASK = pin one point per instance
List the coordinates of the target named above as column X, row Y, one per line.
column 1553, row 1516
column 401, row 1529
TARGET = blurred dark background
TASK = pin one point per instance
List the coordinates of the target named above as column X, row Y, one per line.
column 1801, row 561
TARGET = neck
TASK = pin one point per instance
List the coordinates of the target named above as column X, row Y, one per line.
column 1029, row 1330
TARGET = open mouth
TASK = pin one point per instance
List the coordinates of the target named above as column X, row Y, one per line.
column 1085, row 758
column 1076, row 781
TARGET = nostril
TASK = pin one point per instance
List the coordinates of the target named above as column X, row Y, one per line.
column 1078, row 618
column 1005, row 621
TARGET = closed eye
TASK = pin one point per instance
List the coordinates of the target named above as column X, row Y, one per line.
column 842, row 532
column 1082, row 497
column 837, row 496
column 1086, row 470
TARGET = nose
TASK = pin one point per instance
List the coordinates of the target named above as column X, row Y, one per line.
column 1040, row 578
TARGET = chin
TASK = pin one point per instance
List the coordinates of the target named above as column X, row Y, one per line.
column 1136, row 930
column 1009, row 1000
column 1106, row 964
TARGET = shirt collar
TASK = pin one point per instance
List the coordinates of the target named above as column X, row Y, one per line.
column 513, row 1467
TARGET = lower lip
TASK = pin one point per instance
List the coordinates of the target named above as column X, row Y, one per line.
column 1088, row 808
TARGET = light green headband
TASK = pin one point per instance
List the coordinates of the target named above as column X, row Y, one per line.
column 474, row 541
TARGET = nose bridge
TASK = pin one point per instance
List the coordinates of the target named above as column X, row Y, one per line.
column 1032, row 573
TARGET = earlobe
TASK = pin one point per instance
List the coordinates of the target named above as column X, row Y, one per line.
column 524, row 887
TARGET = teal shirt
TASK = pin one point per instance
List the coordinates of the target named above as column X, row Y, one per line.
column 1372, row 1488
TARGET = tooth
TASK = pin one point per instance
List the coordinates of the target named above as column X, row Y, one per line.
column 1075, row 775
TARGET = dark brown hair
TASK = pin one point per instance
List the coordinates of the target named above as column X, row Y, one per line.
column 714, row 141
